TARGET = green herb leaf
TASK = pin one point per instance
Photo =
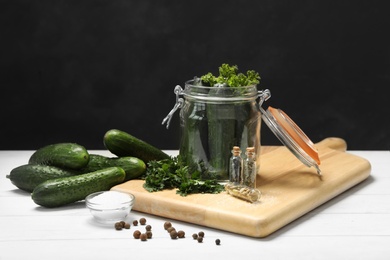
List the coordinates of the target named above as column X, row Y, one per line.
column 172, row 173
column 229, row 76
column 197, row 186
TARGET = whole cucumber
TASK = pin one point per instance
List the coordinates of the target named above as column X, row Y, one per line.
column 63, row 191
column 221, row 133
column 27, row 177
column 132, row 166
column 122, row 144
column 63, row 155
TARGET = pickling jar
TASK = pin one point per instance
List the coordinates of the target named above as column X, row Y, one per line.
column 215, row 119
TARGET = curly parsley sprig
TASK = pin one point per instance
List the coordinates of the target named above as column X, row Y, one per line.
column 229, row 76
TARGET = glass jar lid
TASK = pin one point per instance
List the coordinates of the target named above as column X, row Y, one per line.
column 291, row 136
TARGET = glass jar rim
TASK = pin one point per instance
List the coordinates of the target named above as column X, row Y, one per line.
column 221, row 94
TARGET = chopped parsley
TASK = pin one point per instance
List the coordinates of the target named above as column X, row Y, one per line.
column 172, row 173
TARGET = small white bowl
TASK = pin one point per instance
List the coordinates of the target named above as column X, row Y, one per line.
column 110, row 206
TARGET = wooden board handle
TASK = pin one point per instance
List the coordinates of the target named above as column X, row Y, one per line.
column 334, row 143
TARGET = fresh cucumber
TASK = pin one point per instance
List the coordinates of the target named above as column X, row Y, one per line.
column 194, row 149
column 132, row 166
column 221, row 133
column 63, row 191
column 122, row 144
column 27, row 177
column 64, row 155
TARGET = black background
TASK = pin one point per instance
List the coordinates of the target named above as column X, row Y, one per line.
column 71, row 70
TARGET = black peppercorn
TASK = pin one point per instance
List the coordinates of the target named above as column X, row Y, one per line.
column 217, row 241
column 148, row 227
column 173, row 234
column 195, row 236
column 142, row 221
column 118, row 226
column 181, row 234
column 143, row 237
column 167, row 225
column 137, row 234
column 170, row 229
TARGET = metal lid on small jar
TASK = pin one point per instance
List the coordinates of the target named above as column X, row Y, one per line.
column 291, row 136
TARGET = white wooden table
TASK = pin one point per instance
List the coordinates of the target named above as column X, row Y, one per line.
column 354, row 225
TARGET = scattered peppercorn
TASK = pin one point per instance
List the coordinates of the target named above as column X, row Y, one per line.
column 167, row 224
column 143, row 237
column 142, row 221
column 118, row 226
column 170, row 229
column 181, row 234
column 137, row 234
column 173, row 234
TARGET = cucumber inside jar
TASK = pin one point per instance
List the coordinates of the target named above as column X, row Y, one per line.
column 212, row 125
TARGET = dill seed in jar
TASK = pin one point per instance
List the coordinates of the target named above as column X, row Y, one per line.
column 249, row 173
column 235, row 166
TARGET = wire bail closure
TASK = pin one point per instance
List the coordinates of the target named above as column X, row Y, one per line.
column 264, row 95
column 179, row 104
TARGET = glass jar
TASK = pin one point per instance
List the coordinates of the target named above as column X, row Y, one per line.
column 215, row 119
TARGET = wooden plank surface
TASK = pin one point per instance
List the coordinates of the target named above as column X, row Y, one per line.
column 289, row 190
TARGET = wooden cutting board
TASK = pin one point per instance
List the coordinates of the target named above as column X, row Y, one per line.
column 289, row 190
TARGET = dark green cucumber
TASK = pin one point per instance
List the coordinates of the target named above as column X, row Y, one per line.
column 63, row 191
column 64, row 155
column 121, row 144
column 194, row 149
column 28, row 176
column 133, row 166
column 221, row 127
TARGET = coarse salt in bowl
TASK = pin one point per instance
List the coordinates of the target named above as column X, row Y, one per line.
column 110, row 206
